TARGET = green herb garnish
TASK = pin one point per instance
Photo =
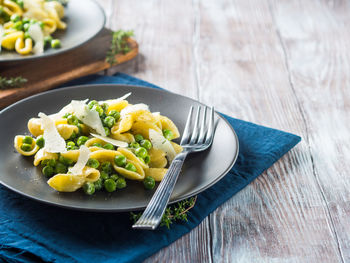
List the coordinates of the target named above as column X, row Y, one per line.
column 11, row 83
column 119, row 45
column 173, row 213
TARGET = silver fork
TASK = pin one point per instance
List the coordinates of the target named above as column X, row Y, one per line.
column 199, row 140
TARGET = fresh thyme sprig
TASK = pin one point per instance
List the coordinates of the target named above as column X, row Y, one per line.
column 119, row 44
column 11, row 83
column 173, row 213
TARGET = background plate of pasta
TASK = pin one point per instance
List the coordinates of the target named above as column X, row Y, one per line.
column 105, row 147
column 37, row 28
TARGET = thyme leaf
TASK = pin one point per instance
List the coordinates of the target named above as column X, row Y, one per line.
column 119, row 45
column 173, row 213
column 11, row 83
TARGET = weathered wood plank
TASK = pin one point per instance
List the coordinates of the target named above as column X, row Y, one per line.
column 282, row 216
column 318, row 64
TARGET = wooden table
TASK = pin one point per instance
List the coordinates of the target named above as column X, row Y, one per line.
column 280, row 63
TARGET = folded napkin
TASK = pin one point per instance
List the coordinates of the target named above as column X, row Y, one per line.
column 34, row 232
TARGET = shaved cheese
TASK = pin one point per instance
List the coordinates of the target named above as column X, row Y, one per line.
column 1, row 35
column 111, row 141
column 87, row 116
column 54, row 143
column 133, row 108
column 83, row 158
column 37, row 35
column 159, row 142
column 109, row 102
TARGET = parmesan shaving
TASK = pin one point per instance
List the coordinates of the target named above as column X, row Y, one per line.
column 109, row 102
column 83, row 158
column 159, row 142
column 132, row 108
column 37, row 35
column 87, row 116
column 54, row 143
column 111, row 141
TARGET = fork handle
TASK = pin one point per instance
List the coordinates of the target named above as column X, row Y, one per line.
column 154, row 211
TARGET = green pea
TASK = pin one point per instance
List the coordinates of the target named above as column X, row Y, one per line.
column 69, row 148
column 49, row 162
column 107, row 131
column 25, row 20
column 82, row 140
column 27, row 35
column 20, row 3
column 70, row 144
column 108, row 146
column 146, row 144
column 89, row 188
column 121, row 183
column 104, row 175
column 26, row 147
column 149, row 182
column 65, row 161
column 98, row 108
column 3, row 14
column 110, row 185
column 168, row 134
column 138, row 137
column 28, row 140
column 93, row 163
column 47, row 43
column 67, row 115
column 15, row 18
column 109, row 121
column 130, row 167
column 98, row 184
column 134, row 145
column 97, row 144
column 120, row 160
column 48, row 171
column 41, row 24
column 92, row 103
column 73, row 136
column 114, row 177
column 107, row 167
column 61, row 168
column 115, row 114
column 18, row 26
column 55, row 43
column 26, row 27
column 72, row 120
column 147, row 159
column 103, row 116
column 141, row 152
column 104, row 106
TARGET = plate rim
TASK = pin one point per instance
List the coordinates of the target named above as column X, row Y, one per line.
column 137, row 208
column 59, row 51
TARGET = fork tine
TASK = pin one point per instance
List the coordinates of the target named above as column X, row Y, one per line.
column 195, row 128
column 210, row 133
column 186, row 133
column 202, row 132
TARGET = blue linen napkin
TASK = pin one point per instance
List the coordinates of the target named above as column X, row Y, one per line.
column 34, row 232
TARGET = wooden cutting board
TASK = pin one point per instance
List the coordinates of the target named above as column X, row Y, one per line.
column 47, row 73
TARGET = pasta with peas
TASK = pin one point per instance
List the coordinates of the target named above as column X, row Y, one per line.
column 100, row 145
column 26, row 26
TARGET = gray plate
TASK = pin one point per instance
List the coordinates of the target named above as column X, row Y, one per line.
column 84, row 18
column 200, row 171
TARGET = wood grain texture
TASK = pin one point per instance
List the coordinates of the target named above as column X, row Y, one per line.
column 283, row 64
column 85, row 60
